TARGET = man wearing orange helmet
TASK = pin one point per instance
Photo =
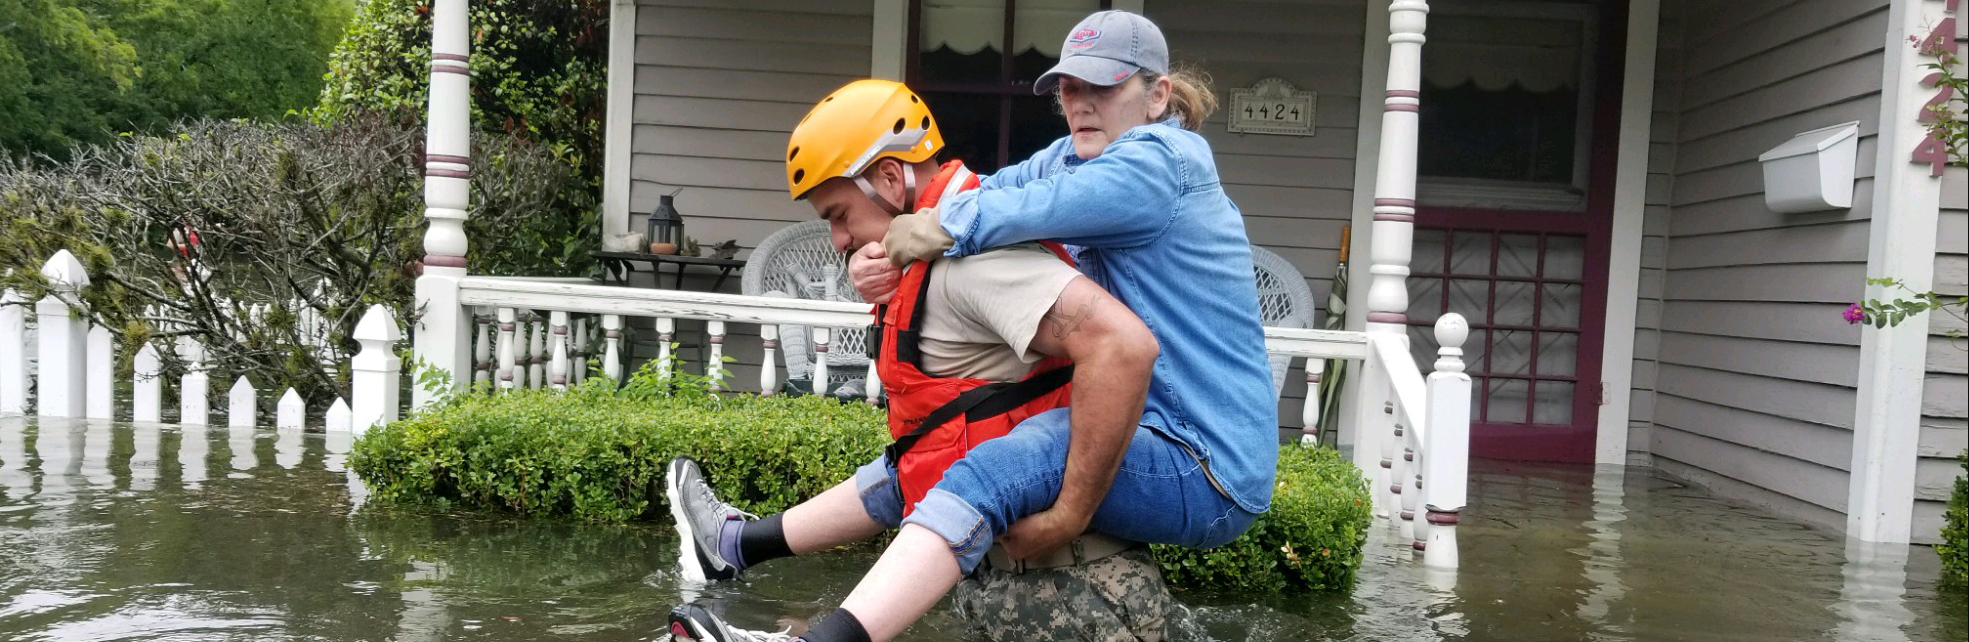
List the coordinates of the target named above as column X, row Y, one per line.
column 975, row 346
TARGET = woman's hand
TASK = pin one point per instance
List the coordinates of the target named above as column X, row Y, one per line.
column 872, row 273
column 916, row 237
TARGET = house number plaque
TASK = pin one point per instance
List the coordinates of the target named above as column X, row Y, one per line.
column 1272, row 106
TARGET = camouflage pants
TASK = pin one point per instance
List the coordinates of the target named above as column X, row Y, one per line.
column 1118, row 598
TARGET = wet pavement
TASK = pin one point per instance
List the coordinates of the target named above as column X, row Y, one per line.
column 115, row 532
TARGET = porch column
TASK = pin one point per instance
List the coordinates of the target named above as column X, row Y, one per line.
column 442, row 337
column 1390, row 244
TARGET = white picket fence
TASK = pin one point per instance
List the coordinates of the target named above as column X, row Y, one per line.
column 72, row 371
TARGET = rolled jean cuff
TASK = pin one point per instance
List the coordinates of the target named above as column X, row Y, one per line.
column 961, row 526
column 875, row 481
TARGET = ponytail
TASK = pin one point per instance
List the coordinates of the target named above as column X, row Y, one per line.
column 1190, row 98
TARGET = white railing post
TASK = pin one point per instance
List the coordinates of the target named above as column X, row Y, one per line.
column 1402, row 474
column 292, row 413
column 482, row 349
column 1394, row 217
column 714, row 365
column 242, row 405
column 1309, row 414
column 1447, row 453
column 872, row 382
column 507, row 364
column 536, row 359
column 557, row 364
column 666, row 327
column 820, row 359
column 13, row 354
column 377, row 370
column 443, row 335
column 147, row 385
column 768, row 369
column 579, row 370
column 612, row 347
column 64, row 348
column 101, row 374
column 1373, row 416
column 194, row 409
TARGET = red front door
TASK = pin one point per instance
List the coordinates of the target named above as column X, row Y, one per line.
column 1519, row 128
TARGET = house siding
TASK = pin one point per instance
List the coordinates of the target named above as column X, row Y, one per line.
column 1944, row 419
column 1654, row 239
column 1755, row 388
column 719, row 86
column 1295, row 192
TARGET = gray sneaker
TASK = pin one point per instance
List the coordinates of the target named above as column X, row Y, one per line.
column 694, row 623
column 700, row 521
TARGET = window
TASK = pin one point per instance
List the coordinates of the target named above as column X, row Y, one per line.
column 1506, row 118
column 980, row 89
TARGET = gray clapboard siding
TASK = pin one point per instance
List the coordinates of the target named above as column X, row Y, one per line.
column 1943, row 424
column 1755, row 388
column 1662, row 156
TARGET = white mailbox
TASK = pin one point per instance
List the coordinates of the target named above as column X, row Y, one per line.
column 1813, row 171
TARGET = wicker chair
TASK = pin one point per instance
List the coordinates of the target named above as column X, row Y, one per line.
column 799, row 262
column 1284, row 300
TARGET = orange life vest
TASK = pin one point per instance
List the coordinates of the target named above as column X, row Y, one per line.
column 936, row 420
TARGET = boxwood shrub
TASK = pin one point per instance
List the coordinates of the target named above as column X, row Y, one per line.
column 596, row 453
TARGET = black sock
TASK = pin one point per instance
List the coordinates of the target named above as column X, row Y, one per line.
column 839, row 626
column 763, row 540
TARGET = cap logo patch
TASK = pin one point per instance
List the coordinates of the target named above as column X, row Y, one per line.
column 1084, row 38
column 1120, row 76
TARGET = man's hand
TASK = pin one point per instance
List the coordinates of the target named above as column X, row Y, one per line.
column 916, row 237
column 1043, row 532
column 873, row 275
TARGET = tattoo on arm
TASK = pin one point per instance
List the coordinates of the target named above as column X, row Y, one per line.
column 1065, row 323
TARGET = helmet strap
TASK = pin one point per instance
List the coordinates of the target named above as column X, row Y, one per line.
column 908, row 192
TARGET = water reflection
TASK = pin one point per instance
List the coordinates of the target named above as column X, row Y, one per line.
column 14, row 477
column 287, row 448
column 96, row 448
column 143, row 457
column 1550, row 553
column 192, row 453
column 240, row 441
column 1874, row 581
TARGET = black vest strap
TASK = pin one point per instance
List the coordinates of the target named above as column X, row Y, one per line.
column 983, row 402
column 907, row 350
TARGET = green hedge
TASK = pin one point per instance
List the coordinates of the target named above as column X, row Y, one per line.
column 1954, row 548
column 599, row 454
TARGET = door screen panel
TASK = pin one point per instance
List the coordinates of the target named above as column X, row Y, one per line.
column 1522, row 294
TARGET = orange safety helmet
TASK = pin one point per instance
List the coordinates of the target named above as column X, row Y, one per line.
column 851, row 128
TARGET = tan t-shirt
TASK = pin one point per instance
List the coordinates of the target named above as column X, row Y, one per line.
column 984, row 309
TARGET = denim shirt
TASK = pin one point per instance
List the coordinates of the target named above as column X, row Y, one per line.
column 1153, row 226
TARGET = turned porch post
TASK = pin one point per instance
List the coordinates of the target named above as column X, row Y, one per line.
column 442, row 338
column 1393, row 233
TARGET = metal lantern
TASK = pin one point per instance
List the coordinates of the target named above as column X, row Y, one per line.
column 666, row 226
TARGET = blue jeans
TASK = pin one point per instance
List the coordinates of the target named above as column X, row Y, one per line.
column 1161, row 494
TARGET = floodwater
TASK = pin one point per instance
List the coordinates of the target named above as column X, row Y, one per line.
column 114, row 532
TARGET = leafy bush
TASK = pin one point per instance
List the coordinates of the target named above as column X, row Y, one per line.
column 539, row 74
column 1311, row 539
column 278, row 209
column 598, row 454
column 1954, row 548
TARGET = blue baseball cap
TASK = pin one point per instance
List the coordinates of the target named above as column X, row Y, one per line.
column 1107, row 48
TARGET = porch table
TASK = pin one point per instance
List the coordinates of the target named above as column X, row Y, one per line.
column 618, row 266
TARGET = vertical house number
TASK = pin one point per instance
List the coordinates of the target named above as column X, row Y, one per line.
column 1932, row 150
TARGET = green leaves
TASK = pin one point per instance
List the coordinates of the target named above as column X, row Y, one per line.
column 598, row 454
column 1311, row 539
column 1954, row 548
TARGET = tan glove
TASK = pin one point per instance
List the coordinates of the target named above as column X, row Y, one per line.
column 916, row 237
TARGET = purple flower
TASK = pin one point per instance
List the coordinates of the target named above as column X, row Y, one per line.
column 1855, row 313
